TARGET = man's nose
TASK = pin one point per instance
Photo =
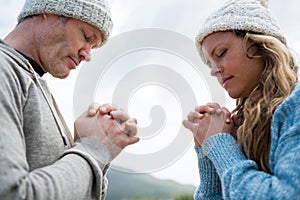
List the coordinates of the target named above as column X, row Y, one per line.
column 85, row 54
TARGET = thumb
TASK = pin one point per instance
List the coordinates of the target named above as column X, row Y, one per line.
column 235, row 119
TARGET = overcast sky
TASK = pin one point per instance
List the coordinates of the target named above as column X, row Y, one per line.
column 182, row 16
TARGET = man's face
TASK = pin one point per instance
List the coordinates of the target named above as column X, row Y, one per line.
column 62, row 43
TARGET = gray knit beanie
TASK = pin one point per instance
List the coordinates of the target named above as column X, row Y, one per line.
column 247, row 15
column 94, row 12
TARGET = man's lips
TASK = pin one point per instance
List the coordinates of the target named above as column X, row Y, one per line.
column 74, row 63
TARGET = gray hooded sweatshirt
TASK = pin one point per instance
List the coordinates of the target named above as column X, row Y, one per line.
column 36, row 159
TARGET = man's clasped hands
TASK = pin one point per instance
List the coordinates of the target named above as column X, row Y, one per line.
column 109, row 125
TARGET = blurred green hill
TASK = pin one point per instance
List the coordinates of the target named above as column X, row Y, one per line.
column 130, row 186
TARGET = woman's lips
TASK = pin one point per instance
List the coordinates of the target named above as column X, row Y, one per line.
column 225, row 80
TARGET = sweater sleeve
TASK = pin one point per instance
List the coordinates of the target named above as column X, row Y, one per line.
column 79, row 173
column 240, row 176
column 98, row 158
column 210, row 185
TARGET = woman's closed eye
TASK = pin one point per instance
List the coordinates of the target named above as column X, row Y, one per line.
column 221, row 54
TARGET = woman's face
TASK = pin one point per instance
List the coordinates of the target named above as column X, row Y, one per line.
column 226, row 56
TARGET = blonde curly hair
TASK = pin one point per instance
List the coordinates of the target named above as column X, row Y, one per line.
column 276, row 83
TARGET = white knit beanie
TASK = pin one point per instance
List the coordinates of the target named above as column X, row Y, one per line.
column 94, row 12
column 247, row 15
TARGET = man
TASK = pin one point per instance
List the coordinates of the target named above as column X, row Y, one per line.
column 38, row 157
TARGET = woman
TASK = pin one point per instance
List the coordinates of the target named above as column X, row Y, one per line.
column 254, row 152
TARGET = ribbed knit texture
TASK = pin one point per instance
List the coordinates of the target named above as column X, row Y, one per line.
column 94, row 12
column 211, row 189
column 248, row 15
column 240, row 177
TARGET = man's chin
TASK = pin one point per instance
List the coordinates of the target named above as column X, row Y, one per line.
column 61, row 75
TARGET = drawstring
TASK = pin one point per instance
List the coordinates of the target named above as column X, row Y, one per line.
column 62, row 133
column 68, row 132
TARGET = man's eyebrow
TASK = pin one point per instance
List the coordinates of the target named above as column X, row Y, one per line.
column 93, row 38
column 100, row 39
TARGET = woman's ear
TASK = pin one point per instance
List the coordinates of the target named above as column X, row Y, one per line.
column 252, row 50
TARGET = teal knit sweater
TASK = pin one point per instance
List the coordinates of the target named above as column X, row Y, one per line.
column 226, row 173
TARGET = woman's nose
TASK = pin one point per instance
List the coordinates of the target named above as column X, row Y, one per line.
column 216, row 69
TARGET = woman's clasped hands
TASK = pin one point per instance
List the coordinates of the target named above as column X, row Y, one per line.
column 208, row 120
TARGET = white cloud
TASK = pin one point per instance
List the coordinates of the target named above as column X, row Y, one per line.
column 9, row 10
